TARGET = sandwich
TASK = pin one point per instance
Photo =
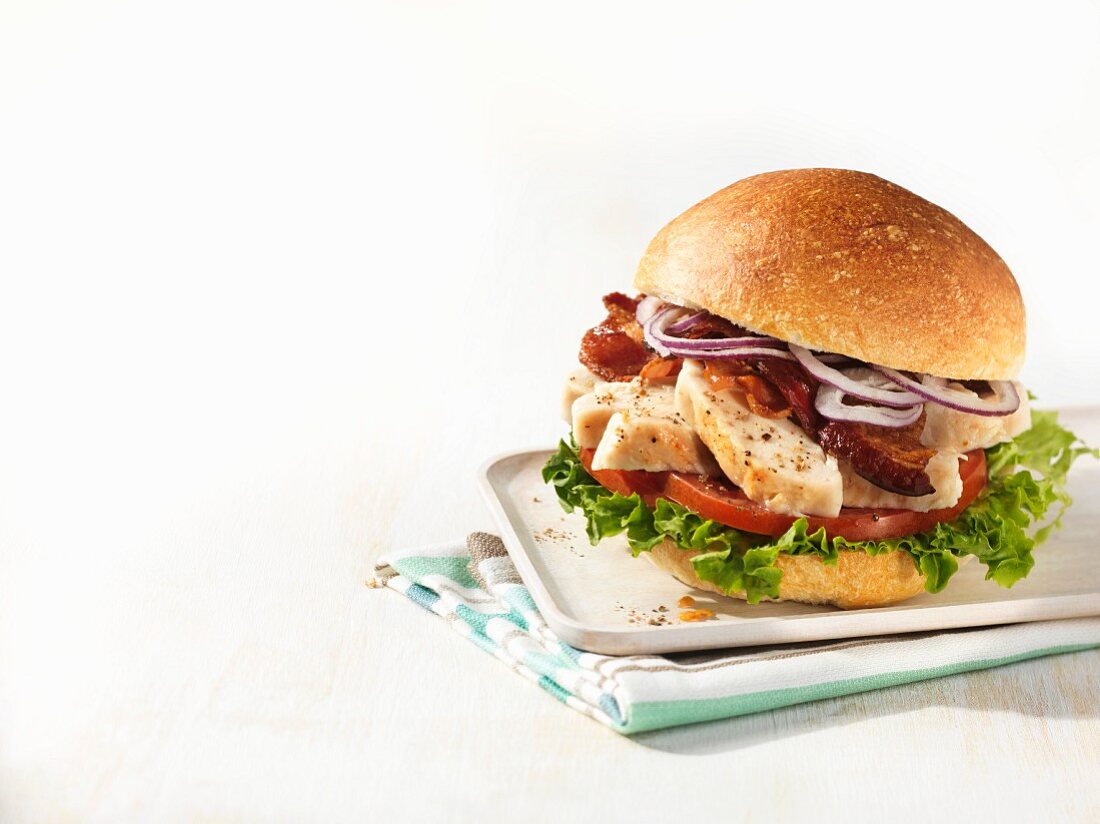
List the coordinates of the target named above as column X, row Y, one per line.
column 813, row 397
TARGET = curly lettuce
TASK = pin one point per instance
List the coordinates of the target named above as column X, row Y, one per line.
column 1027, row 478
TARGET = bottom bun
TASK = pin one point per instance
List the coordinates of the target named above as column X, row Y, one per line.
column 858, row 580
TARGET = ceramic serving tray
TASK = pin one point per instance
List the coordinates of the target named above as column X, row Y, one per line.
column 604, row 600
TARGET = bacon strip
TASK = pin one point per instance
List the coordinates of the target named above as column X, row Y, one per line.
column 712, row 326
column 892, row 459
column 796, row 385
column 615, row 350
column 659, row 368
column 760, row 394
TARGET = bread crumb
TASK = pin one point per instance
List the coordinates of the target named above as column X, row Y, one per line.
column 634, row 615
column 686, row 602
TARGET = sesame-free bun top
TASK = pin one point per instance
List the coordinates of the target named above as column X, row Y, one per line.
column 843, row 261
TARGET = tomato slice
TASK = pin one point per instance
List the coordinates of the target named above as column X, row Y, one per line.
column 728, row 505
column 649, row 485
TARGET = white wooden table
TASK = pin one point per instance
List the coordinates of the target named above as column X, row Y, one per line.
column 277, row 279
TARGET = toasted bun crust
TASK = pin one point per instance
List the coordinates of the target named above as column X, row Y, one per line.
column 846, row 262
column 858, row 580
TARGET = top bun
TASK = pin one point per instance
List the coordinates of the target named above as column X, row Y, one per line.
column 846, row 262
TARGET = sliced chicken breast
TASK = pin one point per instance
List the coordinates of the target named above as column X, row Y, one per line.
column 961, row 431
column 579, row 382
column 656, row 427
column 942, row 469
column 772, row 459
column 634, row 425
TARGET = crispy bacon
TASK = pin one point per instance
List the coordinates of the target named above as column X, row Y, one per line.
column 612, row 354
column 723, row 374
column 892, row 459
column 622, row 307
column 712, row 326
column 659, row 368
column 761, row 395
column 797, row 386
column 615, row 350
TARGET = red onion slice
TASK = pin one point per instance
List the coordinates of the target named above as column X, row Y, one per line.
column 1005, row 400
column 737, row 353
column 663, row 333
column 654, row 326
column 647, row 308
column 685, row 324
column 829, row 402
column 662, row 323
column 704, row 345
column 856, row 385
column 656, row 329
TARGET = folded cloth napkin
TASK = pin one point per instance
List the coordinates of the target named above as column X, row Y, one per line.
column 479, row 593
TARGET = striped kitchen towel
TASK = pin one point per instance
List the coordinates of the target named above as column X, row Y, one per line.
column 475, row 588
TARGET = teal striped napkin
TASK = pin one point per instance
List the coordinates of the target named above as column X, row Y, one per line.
column 475, row 588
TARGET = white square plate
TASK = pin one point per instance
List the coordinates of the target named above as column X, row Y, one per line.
column 603, row 600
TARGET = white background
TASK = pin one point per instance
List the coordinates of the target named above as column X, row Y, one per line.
column 277, row 277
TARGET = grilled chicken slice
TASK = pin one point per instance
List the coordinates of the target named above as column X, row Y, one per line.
column 947, row 429
column 773, row 460
column 635, row 425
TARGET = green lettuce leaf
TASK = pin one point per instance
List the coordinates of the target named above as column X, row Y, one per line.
column 1027, row 477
